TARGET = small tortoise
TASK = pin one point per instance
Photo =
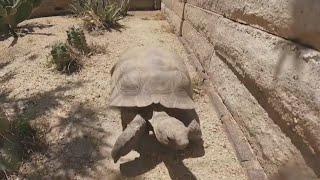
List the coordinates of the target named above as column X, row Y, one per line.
column 152, row 88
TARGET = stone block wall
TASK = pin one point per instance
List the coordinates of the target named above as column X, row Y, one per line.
column 262, row 58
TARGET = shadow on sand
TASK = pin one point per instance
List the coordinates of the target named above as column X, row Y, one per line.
column 28, row 29
column 153, row 153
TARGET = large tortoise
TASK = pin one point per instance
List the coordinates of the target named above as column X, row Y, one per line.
column 152, row 88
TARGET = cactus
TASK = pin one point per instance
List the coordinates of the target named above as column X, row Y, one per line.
column 61, row 56
column 77, row 39
column 13, row 12
column 64, row 58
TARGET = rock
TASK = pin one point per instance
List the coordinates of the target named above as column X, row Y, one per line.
column 52, row 8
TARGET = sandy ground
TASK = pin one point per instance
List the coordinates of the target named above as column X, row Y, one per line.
column 80, row 128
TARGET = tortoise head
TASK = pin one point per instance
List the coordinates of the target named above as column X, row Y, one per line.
column 169, row 131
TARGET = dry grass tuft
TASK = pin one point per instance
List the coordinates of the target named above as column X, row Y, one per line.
column 159, row 17
column 156, row 17
column 197, row 84
column 98, row 49
column 33, row 57
column 167, row 29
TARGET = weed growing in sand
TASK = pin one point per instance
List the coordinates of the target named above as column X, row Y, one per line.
column 99, row 14
column 77, row 39
column 159, row 17
column 168, row 29
column 197, row 84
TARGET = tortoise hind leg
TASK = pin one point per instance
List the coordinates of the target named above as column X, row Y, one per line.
column 129, row 138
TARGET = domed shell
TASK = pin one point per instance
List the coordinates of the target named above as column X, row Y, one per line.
column 145, row 76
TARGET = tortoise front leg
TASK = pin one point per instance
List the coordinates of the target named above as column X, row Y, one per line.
column 130, row 137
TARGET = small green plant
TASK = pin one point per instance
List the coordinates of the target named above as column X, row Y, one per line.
column 77, row 39
column 17, row 141
column 13, row 12
column 125, row 5
column 99, row 14
column 64, row 58
column 112, row 15
column 3, row 121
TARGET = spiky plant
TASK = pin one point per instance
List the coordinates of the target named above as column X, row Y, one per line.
column 101, row 13
column 112, row 15
column 77, row 39
column 124, row 5
column 12, row 12
column 64, row 58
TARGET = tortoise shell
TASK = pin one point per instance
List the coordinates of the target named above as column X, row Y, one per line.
column 145, row 76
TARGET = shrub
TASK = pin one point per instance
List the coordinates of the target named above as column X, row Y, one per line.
column 77, row 39
column 12, row 12
column 64, row 58
column 99, row 14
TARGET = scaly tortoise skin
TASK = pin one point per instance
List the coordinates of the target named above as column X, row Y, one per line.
column 152, row 88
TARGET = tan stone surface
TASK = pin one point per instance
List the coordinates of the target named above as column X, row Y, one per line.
column 176, row 6
column 256, row 56
column 292, row 19
column 271, row 146
column 173, row 19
